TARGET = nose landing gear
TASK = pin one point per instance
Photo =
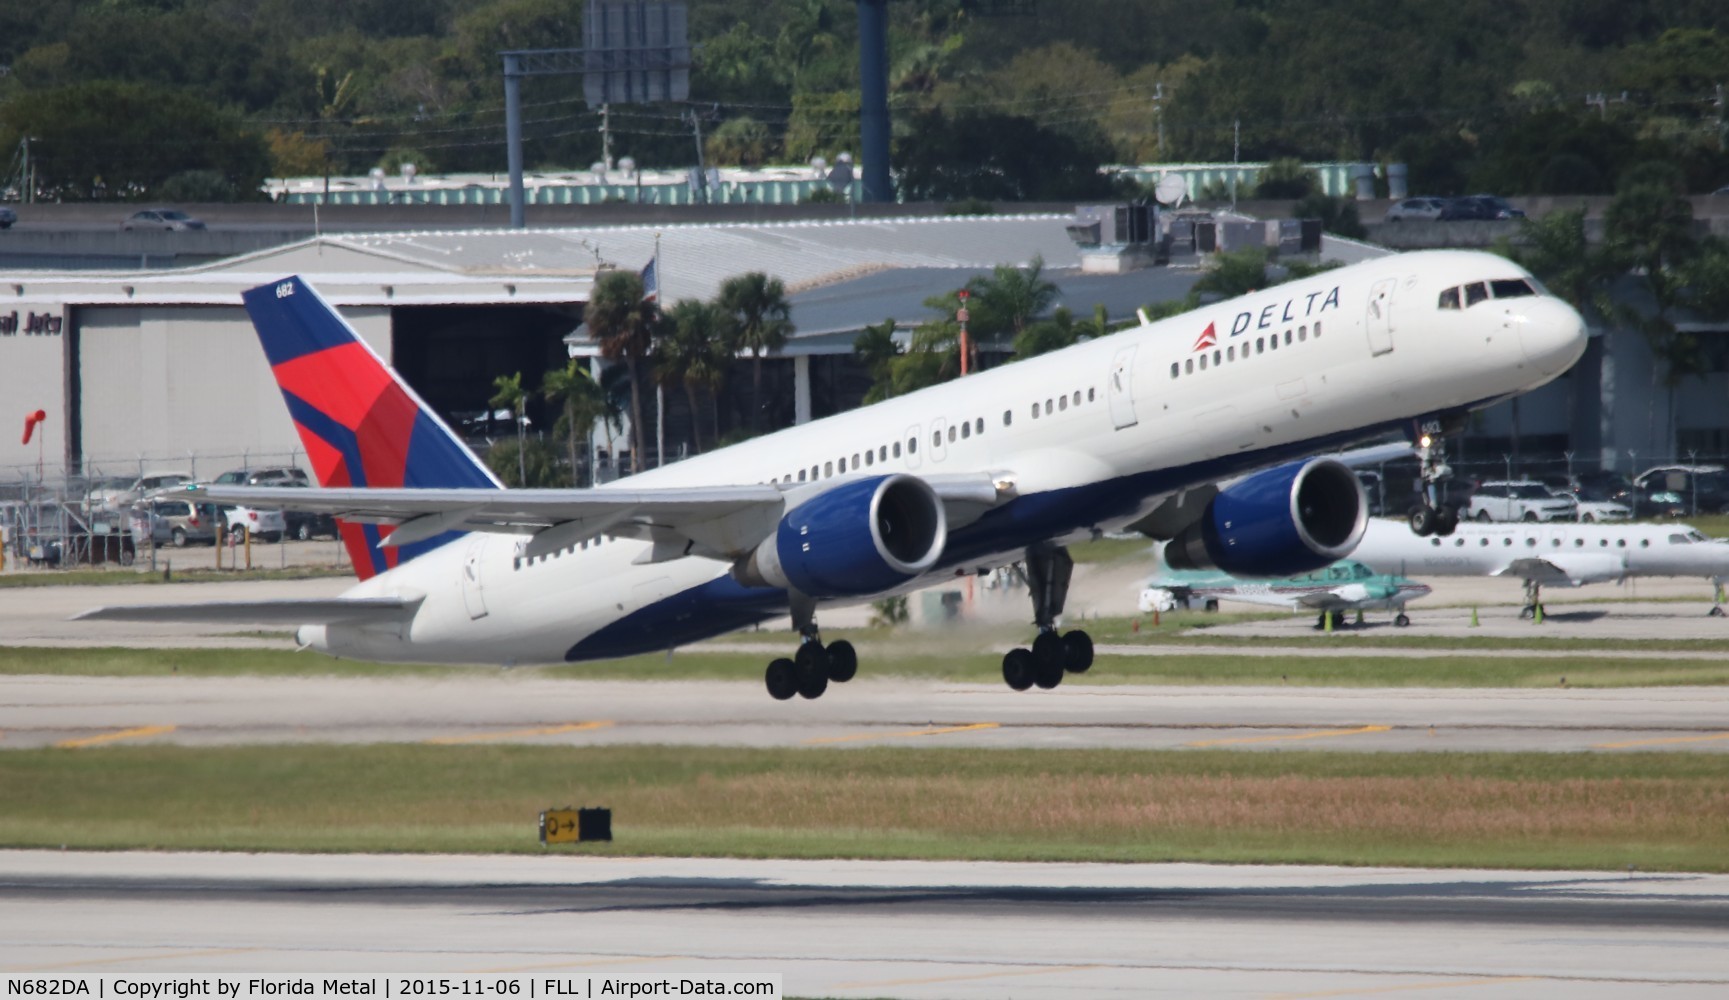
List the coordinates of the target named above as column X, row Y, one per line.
column 1430, row 516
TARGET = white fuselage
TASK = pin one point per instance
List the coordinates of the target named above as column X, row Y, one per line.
column 1557, row 554
column 1359, row 351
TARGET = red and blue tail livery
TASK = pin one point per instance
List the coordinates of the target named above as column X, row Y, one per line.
column 360, row 424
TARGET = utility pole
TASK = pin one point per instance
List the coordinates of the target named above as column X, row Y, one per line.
column 606, row 135
column 1236, row 155
column 695, row 119
column 1722, row 130
column 1159, row 115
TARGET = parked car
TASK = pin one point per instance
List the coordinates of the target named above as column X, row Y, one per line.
column 1479, row 207
column 161, row 218
column 187, row 522
column 1704, row 488
column 269, row 475
column 267, row 525
column 1595, row 507
column 1659, row 504
column 7, row 217
column 148, row 527
column 1416, row 209
column 1519, row 500
column 306, row 526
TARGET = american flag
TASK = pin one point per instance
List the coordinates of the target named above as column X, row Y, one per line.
column 651, row 280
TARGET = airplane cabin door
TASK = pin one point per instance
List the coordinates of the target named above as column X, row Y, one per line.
column 473, row 598
column 1120, row 388
column 1380, row 316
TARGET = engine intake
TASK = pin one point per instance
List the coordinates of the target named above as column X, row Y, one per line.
column 859, row 538
column 1285, row 521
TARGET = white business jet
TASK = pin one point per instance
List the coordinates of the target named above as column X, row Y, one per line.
column 1193, row 429
column 1558, row 554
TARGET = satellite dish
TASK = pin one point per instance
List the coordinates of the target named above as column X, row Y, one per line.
column 1171, row 189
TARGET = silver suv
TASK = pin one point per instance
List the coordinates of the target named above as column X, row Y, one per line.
column 1519, row 500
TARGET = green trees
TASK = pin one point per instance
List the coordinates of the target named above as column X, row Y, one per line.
column 582, row 404
column 624, row 325
column 694, row 352
column 760, row 324
column 511, row 396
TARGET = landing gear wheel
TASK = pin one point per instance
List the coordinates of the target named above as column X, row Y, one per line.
column 782, row 679
column 812, row 678
column 1050, row 658
column 1422, row 518
column 812, row 661
column 1401, row 619
column 1079, row 647
column 1528, row 611
column 1019, row 671
column 1446, row 521
column 1715, row 612
column 842, row 661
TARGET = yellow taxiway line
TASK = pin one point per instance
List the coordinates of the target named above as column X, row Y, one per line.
column 857, row 737
column 1662, row 741
column 124, row 734
column 1292, row 736
column 571, row 727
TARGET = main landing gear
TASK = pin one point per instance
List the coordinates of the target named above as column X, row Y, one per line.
column 1533, row 602
column 1430, row 516
column 811, row 669
column 1052, row 654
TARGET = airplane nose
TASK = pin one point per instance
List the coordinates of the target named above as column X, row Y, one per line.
column 1551, row 333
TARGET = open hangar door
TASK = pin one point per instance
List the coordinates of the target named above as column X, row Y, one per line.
column 451, row 354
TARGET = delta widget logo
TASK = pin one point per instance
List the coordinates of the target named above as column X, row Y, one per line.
column 1209, row 338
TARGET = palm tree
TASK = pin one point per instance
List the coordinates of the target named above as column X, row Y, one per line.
column 583, row 404
column 692, row 352
column 761, row 321
column 623, row 324
column 510, row 395
column 1012, row 297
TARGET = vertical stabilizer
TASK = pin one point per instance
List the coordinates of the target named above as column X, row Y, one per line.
column 360, row 424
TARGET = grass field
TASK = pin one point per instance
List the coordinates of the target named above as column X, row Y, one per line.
column 1656, row 811
column 964, row 664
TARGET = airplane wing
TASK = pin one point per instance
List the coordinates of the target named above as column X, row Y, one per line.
column 314, row 611
column 1567, row 569
column 716, row 521
column 1330, row 600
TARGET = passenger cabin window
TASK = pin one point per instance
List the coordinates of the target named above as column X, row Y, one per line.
column 951, row 434
column 1063, row 403
column 1189, row 367
column 897, row 449
column 979, row 425
column 1009, row 416
column 966, row 431
column 1174, row 369
column 1475, row 292
column 1450, row 299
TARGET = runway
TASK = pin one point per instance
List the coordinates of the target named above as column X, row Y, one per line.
column 522, row 707
column 880, row 929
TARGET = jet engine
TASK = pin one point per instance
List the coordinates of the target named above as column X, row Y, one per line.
column 862, row 537
column 1285, row 521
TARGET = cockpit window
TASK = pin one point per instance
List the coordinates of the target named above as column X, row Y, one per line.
column 1511, row 288
column 1679, row 539
column 1475, row 292
column 1450, row 299
column 1698, row 536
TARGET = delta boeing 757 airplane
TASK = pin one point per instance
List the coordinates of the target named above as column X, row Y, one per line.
column 1193, row 429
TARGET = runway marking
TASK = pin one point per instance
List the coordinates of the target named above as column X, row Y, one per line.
column 959, row 979
column 1657, row 742
column 569, row 727
column 1292, row 736
column 856, row 737
column 124, row 734
column 203, row 953
column 1370, row 991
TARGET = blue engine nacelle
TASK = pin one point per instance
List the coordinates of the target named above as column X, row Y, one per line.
column 859, row 538
column 1285, row 521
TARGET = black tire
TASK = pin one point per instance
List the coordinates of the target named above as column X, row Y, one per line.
column 811, row 656
column 1586, row 519
column 1018, row 670
column 1401, row 619
column 274, row 538
column 127, row 557
column 1528, row 611
column 304, row 532
column 782, row 679
column 1446, row 521
column 813, row 678
column 1049, row 648
column 842, row 661
column 178, row 538
column 1048, row 673
column 1422, row 520
column 1079, row 647
column 1211, row 605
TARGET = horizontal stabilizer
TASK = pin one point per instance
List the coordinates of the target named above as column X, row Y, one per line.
column 313, row 611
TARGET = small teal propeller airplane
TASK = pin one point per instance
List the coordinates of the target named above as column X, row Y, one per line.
column 1343, row 586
